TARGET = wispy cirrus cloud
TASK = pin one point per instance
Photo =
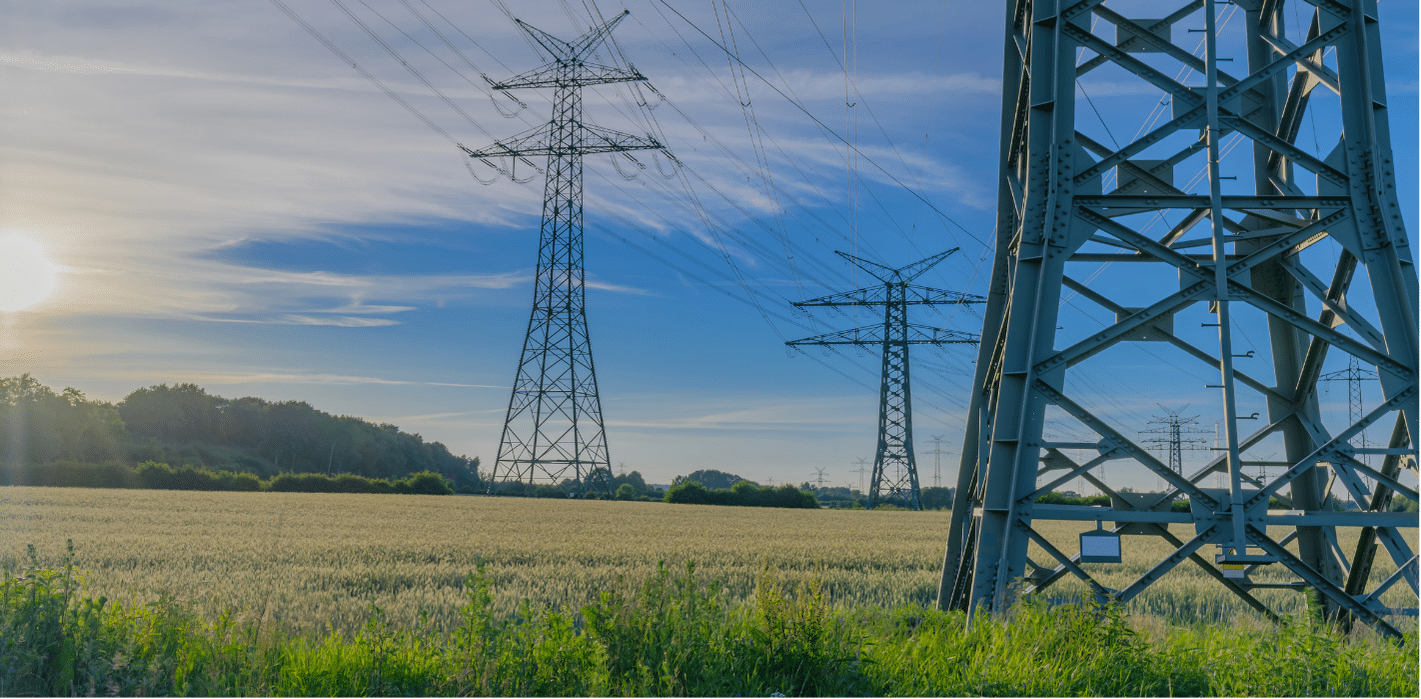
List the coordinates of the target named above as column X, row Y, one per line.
column 337, row 321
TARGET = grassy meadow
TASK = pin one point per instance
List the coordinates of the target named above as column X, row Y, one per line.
column 317, row 562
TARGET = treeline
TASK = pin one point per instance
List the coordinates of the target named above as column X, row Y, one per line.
column 186, row 426
column 744, row 493
column 156, row 476
column 832, row 497
column 628, row 486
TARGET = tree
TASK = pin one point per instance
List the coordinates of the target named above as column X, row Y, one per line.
column 711, row 478
column 625, row 491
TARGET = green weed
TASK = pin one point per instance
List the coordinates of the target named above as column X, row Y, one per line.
column 669, row 635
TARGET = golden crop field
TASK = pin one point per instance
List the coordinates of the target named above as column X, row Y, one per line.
column 319, row 561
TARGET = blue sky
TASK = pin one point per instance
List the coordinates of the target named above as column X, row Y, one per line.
column 235, row 207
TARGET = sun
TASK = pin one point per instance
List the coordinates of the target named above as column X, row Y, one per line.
column 26, row 274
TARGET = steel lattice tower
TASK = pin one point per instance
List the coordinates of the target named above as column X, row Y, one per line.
column 1354, row 375
column 554, row 420
column 895, row 471
column 1172, row 429
column 1241, row 245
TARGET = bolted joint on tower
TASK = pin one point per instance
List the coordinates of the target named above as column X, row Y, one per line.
column 553, row 431
column 895, row 470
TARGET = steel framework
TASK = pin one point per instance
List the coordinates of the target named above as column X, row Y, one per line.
column 554, row 419
column 895, row 471
column 1245, row 247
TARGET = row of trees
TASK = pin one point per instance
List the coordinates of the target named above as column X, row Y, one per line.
column 838, row 497
column 156, row 476
column 628, row 486
column 744, row 493
column 185, row 425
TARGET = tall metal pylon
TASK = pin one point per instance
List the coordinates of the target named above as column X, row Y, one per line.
column 861, row 470
column 937, row 460
column 1354, row 375
column 1171, row 439
column 895, row 471
column 1238, row 253
column 553, row 430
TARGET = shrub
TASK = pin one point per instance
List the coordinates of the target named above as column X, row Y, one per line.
column 425, row 483
column 744, row 494
column 321, row 483
column 156, row 476
column 77, row 474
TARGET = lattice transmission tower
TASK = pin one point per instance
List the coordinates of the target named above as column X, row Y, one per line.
column 895, row 471
column 553, row 431
column 1354, row 375
column 1224, row 100
column 937, row 441
column 1171, row 437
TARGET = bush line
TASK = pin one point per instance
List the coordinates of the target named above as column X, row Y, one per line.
column 152, row 475
column 744, row 494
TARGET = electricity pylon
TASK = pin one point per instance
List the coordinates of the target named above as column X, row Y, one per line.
column 1354, row 375
column 1172, row 441
column 895, row 410
column 554, row 420
column 937, row 460
column 861, row 470
column 1238, row 253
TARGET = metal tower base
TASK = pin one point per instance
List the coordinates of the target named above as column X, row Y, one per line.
column 1301, row 250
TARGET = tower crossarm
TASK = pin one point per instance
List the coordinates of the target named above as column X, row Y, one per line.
column 876, row 296
column 873, row 335
column 556, row 75
column 535, row 142
column 571, row 50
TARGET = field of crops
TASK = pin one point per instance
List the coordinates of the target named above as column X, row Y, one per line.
column 317, row 562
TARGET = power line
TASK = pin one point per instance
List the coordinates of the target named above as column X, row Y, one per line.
column 826, row 128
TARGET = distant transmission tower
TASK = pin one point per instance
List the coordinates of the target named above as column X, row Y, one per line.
column 1171, row 436
column 862, row 469
column 937, row 460
column 819, row 478
column 554, row 428
column 895, row 413
column 1354, row 375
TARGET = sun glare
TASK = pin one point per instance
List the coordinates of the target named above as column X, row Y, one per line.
column 26, row 274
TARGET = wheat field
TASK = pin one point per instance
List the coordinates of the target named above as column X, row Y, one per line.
column 318, row 562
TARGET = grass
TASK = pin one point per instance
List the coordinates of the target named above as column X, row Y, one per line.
column 668, row 634
column 303, row 594
column 318, row 562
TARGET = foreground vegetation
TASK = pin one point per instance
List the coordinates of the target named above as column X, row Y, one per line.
column 668, row 635
column 317, row 562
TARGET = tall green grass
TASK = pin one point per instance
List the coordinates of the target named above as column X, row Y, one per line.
column 669, row 634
